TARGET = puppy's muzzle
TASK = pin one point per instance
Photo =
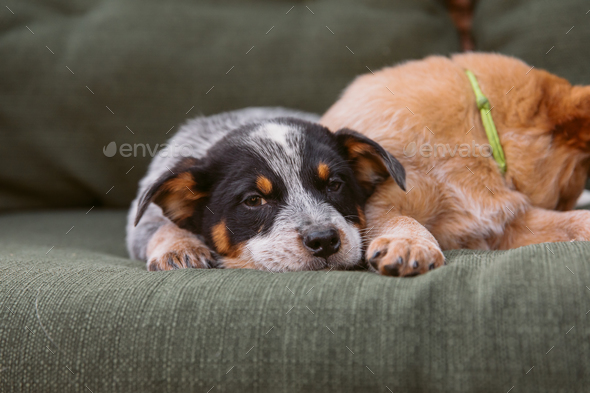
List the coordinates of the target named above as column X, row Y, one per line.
column 322, row 241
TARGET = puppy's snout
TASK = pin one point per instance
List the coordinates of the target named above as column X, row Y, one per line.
column 322, row 242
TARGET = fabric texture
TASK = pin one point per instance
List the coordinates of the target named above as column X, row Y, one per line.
column 551, row 35
column 78, row 75
column 80, row 317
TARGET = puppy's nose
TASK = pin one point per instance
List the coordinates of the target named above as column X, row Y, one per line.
column 322, row 242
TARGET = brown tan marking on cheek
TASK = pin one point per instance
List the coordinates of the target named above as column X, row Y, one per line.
column 220, row 238
column 240, row 260
column 264, row 185
column 323, row 171
column 222, row 242
column 362, row 219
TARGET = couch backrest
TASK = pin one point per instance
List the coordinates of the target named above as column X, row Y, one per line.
column 77, row 76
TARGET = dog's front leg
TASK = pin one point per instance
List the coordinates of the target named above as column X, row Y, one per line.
column 163, row 245
column 172, row 247
column 401, row 246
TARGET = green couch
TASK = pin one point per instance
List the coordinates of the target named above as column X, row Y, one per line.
column 76, row 315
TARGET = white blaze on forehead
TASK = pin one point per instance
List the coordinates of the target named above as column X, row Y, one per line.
column 275, row 132
column 281, row 146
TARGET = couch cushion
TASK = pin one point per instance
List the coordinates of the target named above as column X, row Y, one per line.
column 78, row 75
column 95, row 230
column 552, row 35
column 82, row 317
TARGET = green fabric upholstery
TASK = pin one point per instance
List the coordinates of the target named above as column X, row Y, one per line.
column 477, row 325
column 551, row 35
column 90, row 73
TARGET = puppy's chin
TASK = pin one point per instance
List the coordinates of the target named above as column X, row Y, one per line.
column 282, row 249
column 293, row 260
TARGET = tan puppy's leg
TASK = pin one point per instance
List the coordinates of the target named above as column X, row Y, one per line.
column 403, row 247
column 540, row 226
column 174, row 248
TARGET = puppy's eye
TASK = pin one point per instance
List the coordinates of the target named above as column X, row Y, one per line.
column 334, row 185
column 254, row 201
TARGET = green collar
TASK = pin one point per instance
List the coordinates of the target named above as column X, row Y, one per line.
column 488, row 123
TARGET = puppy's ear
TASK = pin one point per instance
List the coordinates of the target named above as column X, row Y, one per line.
column 573, row 122
column 372, row 164
column 569, row 108
column 177, row 192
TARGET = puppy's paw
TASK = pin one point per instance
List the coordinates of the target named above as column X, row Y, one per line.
column 175, row 248
column 404, row 256
column 182, row 257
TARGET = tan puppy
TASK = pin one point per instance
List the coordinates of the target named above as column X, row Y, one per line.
column 425, row 114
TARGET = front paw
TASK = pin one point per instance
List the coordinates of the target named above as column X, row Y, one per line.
column 174, row 248
column 405, row 256
column 199, row 257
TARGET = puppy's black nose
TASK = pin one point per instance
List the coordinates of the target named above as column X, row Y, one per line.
column 322, row 242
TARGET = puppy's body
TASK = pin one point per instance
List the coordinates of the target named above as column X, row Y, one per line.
column 457, row 193
column 259, row 189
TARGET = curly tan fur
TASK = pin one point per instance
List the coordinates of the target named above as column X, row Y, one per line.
column 465, row 202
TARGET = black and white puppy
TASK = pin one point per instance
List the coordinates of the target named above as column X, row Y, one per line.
column 262, row 188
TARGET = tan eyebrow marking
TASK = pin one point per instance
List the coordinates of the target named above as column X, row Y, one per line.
column 323, row 171
column 264, row 185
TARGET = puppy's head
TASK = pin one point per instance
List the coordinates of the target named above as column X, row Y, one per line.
column 282, row 195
